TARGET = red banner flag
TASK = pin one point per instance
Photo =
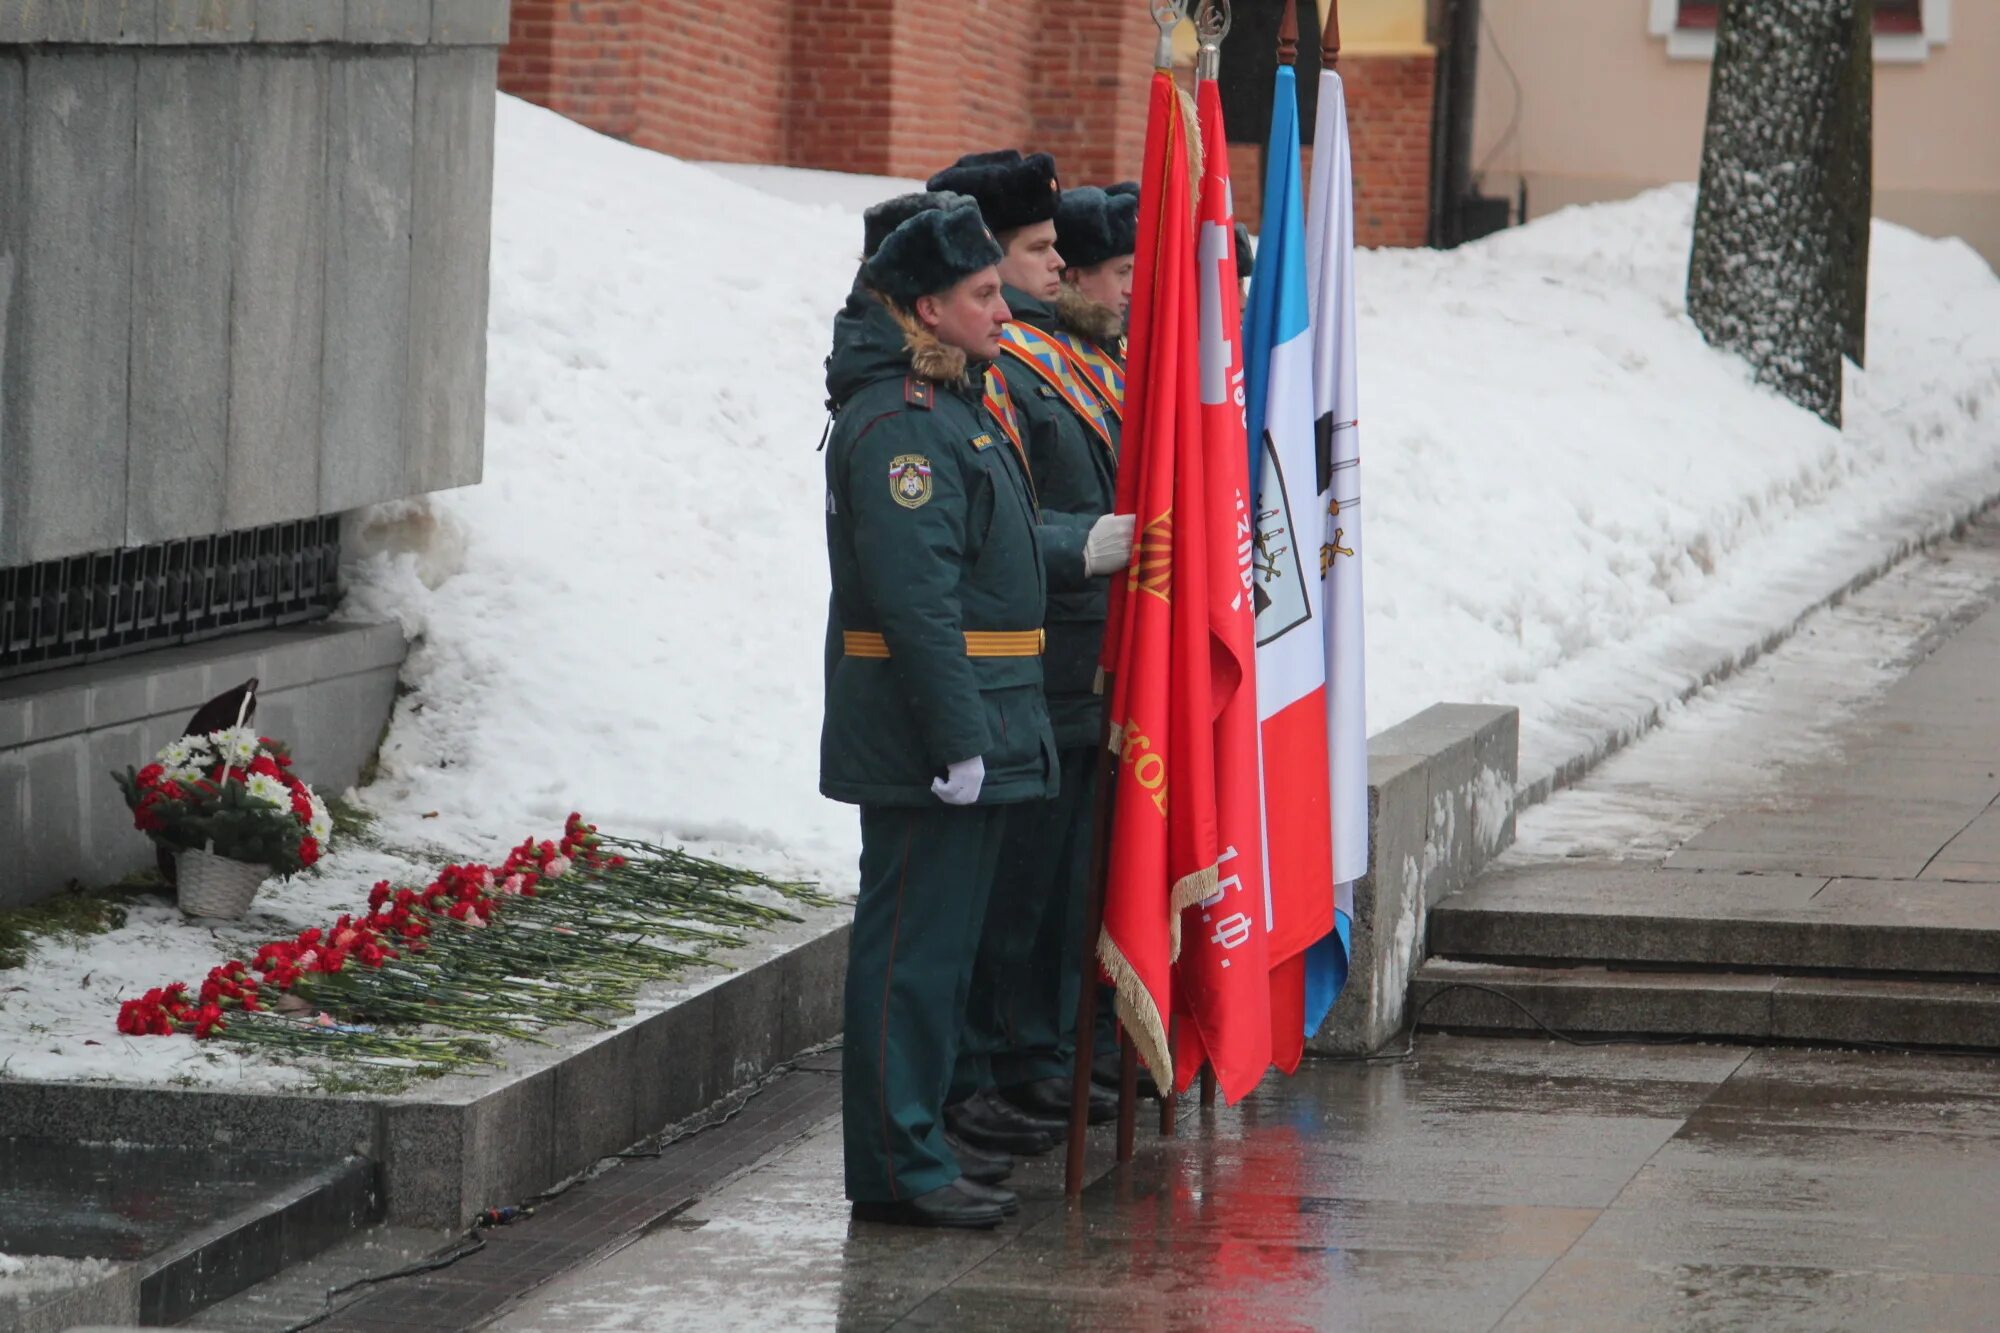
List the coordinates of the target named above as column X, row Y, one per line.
column 1163, row 842
column 1222, row 976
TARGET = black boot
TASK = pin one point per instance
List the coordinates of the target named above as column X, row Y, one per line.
column 979, row 1164
column 952, row 1205
column 1053, row 1125
column 1005, row 1200
column 988, row 1123
column 1104, row 1073
column 1050, row 1097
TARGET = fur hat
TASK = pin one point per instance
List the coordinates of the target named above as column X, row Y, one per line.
column 1123, row 187
column 1246, row 257
column 881, row 219
column 1012, row 191
column 931, row 251
column 1093, row 226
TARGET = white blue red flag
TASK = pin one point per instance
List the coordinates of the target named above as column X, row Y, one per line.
column 1331, row 259
column 1288, row 587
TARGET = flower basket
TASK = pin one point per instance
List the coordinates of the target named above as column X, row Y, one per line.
column 228, row 808
column 216, row 886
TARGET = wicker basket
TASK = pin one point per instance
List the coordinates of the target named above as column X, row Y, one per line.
column 216, row 886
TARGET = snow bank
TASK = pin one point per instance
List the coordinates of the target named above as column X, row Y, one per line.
column 1557, row 469
column 1573, row 506
column 1567, row 489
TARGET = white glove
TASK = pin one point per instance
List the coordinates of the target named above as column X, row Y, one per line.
column 1108, row 548
column 961, row 781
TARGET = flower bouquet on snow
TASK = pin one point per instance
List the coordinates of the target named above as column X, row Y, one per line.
column 229, row 808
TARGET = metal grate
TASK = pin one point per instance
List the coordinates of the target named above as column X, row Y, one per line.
column 89, row 607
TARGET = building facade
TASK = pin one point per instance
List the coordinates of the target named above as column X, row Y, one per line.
column 1588, row 100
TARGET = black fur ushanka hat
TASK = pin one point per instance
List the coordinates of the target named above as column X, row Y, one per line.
column 881, row 219
column 1011, row 190
column 930, row 252
column 1093, row 226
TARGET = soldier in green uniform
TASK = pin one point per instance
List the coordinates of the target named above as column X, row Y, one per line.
column 935, row 717
column 1061, row 373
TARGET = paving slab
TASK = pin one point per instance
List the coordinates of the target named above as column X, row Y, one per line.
column 1596, row 1294
column 1743, row 1193
column 1742, row 1210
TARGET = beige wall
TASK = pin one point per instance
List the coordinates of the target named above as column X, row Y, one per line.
column 1603, row 112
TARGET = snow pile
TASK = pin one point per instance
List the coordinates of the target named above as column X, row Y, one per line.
column 1570, row 496
column 1575, row 505
column 24, row 1274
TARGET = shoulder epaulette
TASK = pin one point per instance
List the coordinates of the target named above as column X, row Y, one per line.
column 919, row 392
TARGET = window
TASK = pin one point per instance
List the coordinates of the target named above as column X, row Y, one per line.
column 1905, row 30
column 1890, row 15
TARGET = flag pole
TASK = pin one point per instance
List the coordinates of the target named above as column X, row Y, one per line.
column 1212, row 23
column 1329, row 36
column 1086, row 999
column 1166, row 15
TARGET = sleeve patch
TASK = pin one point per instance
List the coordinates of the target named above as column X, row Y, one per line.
column 910, row 480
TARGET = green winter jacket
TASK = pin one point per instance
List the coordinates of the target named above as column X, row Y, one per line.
column 938, row 575
column 1075, row 479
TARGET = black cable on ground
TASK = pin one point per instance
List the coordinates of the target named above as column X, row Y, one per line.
column 472, row 1242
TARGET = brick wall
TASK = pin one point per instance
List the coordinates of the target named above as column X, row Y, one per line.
column 1389, row 129
column 842, row 84
column 714, row 81
column 578, row 57
column 901, row 87
column 1389, row 101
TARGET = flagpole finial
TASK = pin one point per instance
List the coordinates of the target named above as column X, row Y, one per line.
column 1211, row 24
column 1288, row 34
column 1329, row 36
column 1167, row 16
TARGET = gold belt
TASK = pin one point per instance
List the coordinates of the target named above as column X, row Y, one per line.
column 978, row 643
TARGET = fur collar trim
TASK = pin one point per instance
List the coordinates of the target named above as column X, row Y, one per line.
column 930, row 357
column 1078, row 314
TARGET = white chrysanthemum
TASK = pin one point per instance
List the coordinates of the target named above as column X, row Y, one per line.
column 268, row 789
column 237, row 745
column 177, row 754
column 185, row 773
column 320, row 827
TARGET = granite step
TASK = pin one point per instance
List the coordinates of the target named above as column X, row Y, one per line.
column 1593, row 999
column 175, row 1229
column 1611, row 913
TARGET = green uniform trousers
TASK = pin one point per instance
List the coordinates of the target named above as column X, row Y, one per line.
column 926, row 873
column 1021, row 1020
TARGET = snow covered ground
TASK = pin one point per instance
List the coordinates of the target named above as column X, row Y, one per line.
column 1575, row 506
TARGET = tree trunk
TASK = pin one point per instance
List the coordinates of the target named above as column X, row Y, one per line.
column 1779, row 271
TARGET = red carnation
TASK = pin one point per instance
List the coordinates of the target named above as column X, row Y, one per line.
column 207, row 1019
column 150, row 774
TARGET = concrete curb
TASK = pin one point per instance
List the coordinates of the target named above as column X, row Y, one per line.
column 1440, row 806
column 455, row 1146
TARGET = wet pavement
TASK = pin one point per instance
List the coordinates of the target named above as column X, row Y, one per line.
column 1483, row 1183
